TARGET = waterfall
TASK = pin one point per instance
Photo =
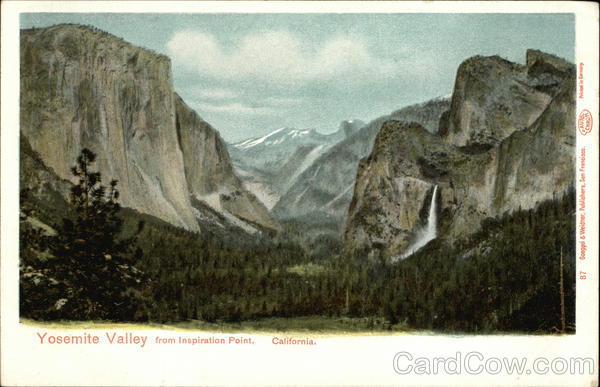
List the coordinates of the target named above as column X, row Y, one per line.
column 431, row 231
column 426, row 234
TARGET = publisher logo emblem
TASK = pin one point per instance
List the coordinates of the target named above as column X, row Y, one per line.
column 584, row 122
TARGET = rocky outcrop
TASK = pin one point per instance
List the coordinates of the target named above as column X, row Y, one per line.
column 493, row 97
column 513, row 168
column 82, row 87
column 38, row 182
column 209, row 171
column 325, row 189
column 428, row 114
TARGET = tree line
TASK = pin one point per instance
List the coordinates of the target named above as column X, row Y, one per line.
column 103, row 262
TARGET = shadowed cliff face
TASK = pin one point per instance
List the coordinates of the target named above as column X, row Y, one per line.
column 476, row 179
column 205, row 157
column 86, row 88
column 209, row 171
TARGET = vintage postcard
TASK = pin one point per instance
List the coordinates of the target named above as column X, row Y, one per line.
column 299, row 193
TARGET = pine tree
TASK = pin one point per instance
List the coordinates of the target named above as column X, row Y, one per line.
column 92, row 260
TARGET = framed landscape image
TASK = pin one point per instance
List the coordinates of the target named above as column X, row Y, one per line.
column 343, row 193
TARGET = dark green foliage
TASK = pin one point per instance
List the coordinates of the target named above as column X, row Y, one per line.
column 203, row 277
column 88, row 272
column 503, row 278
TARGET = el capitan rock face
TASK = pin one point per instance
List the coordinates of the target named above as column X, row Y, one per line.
column 86, row 88
column 83, row 88
column 485, row 162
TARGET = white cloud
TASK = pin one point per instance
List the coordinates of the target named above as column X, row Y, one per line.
column 232, row 108
column 277, row 56
column 216, row 93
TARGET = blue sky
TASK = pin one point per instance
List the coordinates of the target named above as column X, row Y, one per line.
column 249, row 74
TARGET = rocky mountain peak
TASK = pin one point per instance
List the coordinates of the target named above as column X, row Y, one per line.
column 281, row 137
column 493, row 98
column 537, row 57
column 505, row 143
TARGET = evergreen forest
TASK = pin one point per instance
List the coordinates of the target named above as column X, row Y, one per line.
column 86, row 258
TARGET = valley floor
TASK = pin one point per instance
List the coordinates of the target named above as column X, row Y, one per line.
column 315, row 325
column 320, row 326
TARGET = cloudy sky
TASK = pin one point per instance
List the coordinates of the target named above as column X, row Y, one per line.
column 249, row 74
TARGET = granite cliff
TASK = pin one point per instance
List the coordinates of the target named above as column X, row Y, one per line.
column 82, row 87
column 507, row 142
column 210, row 175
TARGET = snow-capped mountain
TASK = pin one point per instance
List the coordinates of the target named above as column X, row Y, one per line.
column 270, row 164
column 323, row 192
column 288, row 136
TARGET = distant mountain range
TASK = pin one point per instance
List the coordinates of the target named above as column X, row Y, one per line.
column 321, row 195
column 270, row 164
column 307, row 177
